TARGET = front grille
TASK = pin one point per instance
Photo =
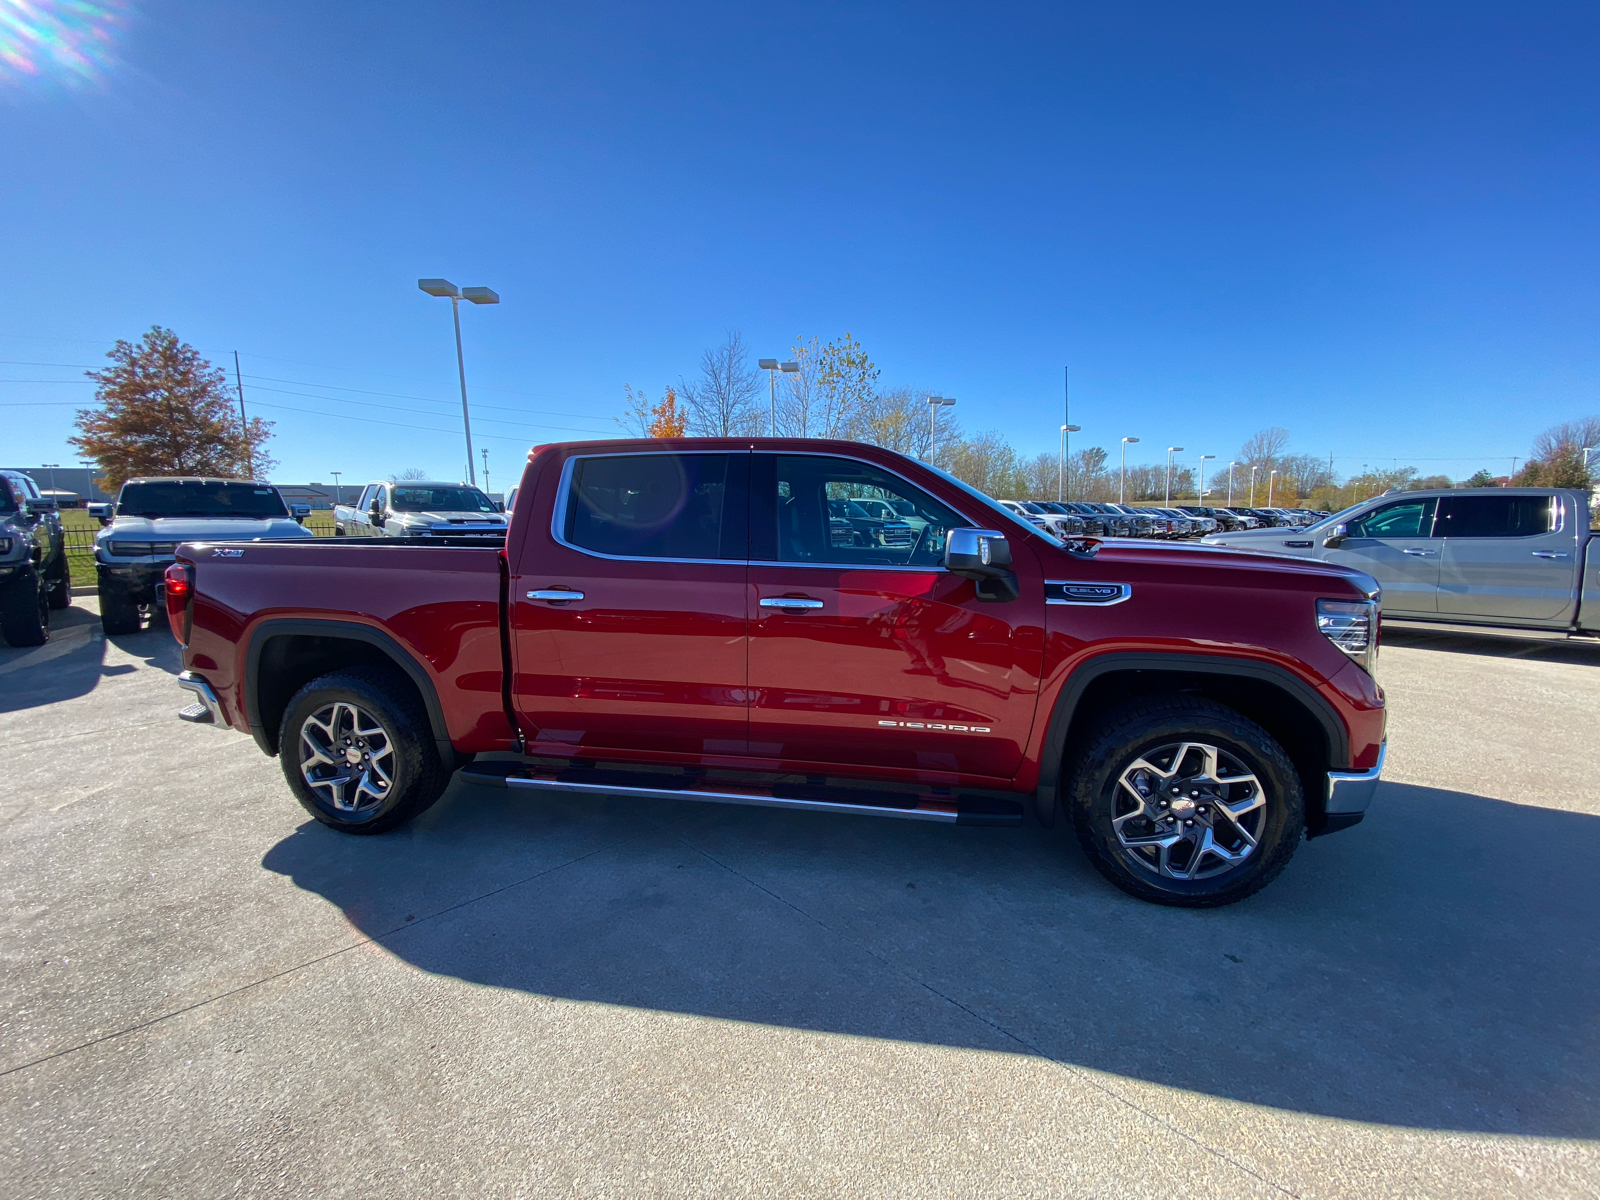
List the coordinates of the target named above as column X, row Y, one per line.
column 141, row 549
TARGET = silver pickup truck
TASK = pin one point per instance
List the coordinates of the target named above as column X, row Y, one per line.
column 420, row 509
column 1515, row 558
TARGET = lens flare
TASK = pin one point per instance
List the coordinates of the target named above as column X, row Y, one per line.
column 64, row 41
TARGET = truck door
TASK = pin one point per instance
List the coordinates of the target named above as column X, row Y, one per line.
column 1511, row 558
column 864, row 651
column 627, row 607
column 1394, row 543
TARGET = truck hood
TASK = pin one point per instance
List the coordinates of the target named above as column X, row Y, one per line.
column 450, row 518
column 202, row 529
column 1263, row 560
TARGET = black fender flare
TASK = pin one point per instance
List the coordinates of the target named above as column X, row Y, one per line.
column 1054, row 749
column 352, row 631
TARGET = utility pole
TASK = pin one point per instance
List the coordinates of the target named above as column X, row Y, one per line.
column 484, row 450
column 244, row 425
column 1231, row 465
column 338, row 495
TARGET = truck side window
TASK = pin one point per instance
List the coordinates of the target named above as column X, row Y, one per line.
column 838, row 510
column 1403, row 519
column 366, row 497
column 653, row 506
column 1495, row 516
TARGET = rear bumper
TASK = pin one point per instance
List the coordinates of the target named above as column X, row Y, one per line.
column 190, row 682
column 1350, row 792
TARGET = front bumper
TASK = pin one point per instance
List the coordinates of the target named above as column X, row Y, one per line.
column 137, row 578
column 1350, row 792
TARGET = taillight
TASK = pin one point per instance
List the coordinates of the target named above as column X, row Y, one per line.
column 179, row 590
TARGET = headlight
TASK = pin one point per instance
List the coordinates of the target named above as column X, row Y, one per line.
column 1352, row 625
column 5, row 545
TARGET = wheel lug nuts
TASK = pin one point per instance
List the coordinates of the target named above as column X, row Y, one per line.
column 1188, row 822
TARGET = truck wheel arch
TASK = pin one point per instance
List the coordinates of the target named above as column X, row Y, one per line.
column 290, row 639
column 1280, row 701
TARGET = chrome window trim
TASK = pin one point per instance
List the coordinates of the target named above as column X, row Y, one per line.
column 1124, row 592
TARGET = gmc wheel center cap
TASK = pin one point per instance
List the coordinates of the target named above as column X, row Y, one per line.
column 1182, row 808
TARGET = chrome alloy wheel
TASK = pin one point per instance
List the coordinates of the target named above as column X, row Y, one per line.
column 1188, row 811
column 347, row 758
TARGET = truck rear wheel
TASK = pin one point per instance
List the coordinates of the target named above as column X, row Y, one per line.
column 61, row 590
column 1184, row 801
column 358, row 752
column 24, row 611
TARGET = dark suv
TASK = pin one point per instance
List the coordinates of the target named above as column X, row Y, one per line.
column 33, row 561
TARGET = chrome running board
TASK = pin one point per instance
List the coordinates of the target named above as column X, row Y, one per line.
column 954, row 809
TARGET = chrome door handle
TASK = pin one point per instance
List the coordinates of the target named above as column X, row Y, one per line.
column 790, row 602
column 1420, row 553
column 1550, row 554
column 554, row 595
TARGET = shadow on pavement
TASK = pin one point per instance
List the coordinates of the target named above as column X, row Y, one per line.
column 1436, row 967
column 72, row 662
column 1580, row 651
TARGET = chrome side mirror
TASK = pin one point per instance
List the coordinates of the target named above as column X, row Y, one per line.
column 983, row 556
column 1337, row 537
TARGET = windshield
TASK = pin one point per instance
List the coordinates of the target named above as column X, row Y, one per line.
column 440, row 499
column 200, row 498
column 8, row 503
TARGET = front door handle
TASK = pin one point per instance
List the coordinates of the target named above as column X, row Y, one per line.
column 1420, row 553
column 797, row 603
column 1550, row 554
column 554, row 595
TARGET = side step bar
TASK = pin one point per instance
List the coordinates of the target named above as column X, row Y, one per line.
column 962, row 808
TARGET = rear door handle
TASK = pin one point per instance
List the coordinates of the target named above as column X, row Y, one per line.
column 554, row 595
column 791, row 602
column 1550, row 554
column 1421, row 553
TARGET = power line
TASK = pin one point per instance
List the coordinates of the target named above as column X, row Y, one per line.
column 428, row 399
column 419, row 412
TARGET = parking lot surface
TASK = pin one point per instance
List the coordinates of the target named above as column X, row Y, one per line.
column 204, row 993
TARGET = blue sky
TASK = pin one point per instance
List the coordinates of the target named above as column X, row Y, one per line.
column 1373, row 225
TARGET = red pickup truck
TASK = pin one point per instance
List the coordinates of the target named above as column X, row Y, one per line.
column 806, row 624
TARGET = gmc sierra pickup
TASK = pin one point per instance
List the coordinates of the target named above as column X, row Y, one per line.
column 694, row 619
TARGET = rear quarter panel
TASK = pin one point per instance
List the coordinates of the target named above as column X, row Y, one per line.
column 442, row 605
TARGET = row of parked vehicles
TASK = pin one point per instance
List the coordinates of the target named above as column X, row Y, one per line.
column 1084, row 518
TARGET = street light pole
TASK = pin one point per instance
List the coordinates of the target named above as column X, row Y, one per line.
column 1253, row 471
column 338, row 496
column 1122, row 482
column 1588, row 450
column 935, row 403
column 772, row 366
column 1200, row 492
column 1167, row 498
column 1271, row 479
column 478, row 295
column 53, row 466
column 1231, row 465
column 484, row 450
column 1061, row 465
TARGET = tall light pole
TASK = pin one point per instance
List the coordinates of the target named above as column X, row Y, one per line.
column 1253, row 470
column 1588, row 450
column 1231, row 466
column 1200, row 492
column 772, row 366
column 1167, row 499
column 478, row 295
column 53, row 466
column 1061, row 465
column 484, row 450
column 338, row 496
column 935, row 403
column 1122, row 482
column 1271, row 479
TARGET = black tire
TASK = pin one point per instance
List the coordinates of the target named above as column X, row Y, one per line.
column 24, row 609
column 60, row 595
column 1192, row 818
column 118, row 612
column 338, row 531
column 399, row 774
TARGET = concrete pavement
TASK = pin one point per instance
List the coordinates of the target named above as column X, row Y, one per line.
column 202, row 992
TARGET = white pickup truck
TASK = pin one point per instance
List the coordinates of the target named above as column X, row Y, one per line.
column 420, row 509
column 1511, row 558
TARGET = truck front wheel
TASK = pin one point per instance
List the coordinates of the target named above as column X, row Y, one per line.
column 1186, row 802
column 24, row 611
column 358, row 752
column 119, row 612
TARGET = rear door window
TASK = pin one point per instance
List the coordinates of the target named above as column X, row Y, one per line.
column 821, row 509
column 1403, row 519
column 1495, row 516
column 662, row 506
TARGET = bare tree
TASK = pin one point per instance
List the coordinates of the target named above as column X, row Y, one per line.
column 722, row 403
column 800, row 398
column 1558, row 459
column 896, row 419
column 408, row 475
column 988, row 463
column 1264, row 448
